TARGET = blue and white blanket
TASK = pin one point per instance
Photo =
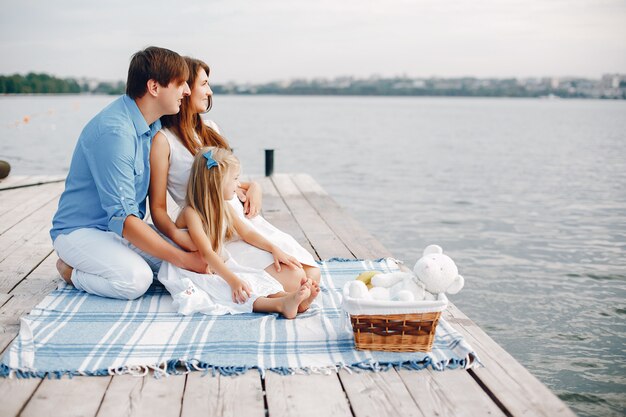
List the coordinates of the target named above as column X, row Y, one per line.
column 72, row 332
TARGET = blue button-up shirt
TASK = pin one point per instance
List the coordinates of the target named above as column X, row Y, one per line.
column 110, row 171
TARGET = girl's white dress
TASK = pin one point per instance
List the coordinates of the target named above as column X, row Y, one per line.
column 210, row 294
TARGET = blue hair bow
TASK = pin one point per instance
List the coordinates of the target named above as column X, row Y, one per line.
column 210, row 162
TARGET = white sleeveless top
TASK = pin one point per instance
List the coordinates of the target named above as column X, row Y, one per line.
column 180, row 165
column 245, row 254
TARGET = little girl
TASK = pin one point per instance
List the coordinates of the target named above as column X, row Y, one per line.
column 231, row 288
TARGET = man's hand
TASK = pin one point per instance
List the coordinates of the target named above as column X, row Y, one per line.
column 193, row 261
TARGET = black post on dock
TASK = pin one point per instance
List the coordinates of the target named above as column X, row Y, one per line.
column 269, row 162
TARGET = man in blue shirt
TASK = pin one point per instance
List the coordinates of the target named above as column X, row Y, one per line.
column 104, row 246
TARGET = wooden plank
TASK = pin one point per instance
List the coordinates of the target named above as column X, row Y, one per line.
column 13, row 180
column 41, row 281
column 123, row 396
column 19, row 203
column 143, row 396
column 18, row 181
column 312, row 225
column 25, row 296
column 9, row 199
column 505, row 378
column 4, row 298
column 22, row 262
column 276, row 212
column 379, row 394
column 37, row 221
column 450, row 393
column 79, row 396
column 349, row 231
column 305, row 395
column 15, row 393
column 23, row 246
column 223, row 396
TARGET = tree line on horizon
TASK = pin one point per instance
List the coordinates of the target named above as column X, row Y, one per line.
column 37, row 84
column 34, row 83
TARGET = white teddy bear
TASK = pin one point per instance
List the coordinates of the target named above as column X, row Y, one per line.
column 437, row 272
column 434, row 273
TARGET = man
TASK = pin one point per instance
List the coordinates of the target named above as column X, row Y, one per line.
column 104, row 246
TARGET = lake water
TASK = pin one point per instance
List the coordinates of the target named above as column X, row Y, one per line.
column 527, row 196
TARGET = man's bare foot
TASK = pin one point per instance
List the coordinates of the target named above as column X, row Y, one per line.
column 65, row 271
column 293, row 300
column 315, row 290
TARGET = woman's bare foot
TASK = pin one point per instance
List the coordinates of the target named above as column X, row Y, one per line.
column 293, row 300
column 315, row 290
column 65, row 271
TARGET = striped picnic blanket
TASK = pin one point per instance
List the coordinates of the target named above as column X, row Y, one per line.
column 72, row 332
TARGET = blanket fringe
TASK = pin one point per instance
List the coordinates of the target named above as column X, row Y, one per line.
column 182, row 367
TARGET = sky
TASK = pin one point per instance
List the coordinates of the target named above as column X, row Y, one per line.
column 270, row 40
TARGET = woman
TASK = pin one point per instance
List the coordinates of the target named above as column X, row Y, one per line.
column 171, row 157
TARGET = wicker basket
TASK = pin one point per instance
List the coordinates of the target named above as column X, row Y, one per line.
column 395, row 326
column 395, row 332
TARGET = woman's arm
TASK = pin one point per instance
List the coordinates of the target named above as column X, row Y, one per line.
column 251, row 196
column 137, row 232
column 159, row 167
column 251, row 236
column 215, row 262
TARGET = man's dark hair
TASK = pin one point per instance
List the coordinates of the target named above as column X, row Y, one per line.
column 153, row 63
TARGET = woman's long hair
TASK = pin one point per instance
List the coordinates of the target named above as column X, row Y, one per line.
column 205, row 196
column 188, row 125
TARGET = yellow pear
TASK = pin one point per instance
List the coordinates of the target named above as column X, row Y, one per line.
column 366, row 277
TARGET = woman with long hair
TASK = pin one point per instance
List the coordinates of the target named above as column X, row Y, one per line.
column 172, row 153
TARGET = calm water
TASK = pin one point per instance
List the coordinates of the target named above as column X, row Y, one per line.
column 528, row 196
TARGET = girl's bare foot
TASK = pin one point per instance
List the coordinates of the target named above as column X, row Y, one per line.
column 65, row 271
column 293, row 300
column 315, row 290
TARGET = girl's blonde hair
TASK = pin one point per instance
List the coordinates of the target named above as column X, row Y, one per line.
column 205, row 196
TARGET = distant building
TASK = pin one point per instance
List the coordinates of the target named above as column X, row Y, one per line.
column 611, row 80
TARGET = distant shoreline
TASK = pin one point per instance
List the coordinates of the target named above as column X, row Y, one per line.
column 542, row 98
column 610, row 86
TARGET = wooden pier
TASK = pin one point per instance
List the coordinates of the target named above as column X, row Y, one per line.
column 298, row 205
